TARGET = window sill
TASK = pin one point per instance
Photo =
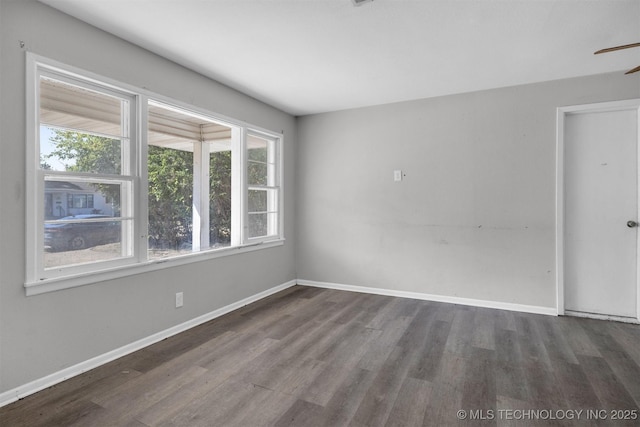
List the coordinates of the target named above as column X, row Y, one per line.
column 72, row 281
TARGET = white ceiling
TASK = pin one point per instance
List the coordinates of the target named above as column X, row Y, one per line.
column 310, row 56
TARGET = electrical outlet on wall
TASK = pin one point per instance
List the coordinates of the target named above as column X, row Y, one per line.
column 179, row 299
column 397, row 175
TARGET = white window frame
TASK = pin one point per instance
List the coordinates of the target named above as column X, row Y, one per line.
column 275, row 176
column 37, row 280
column 201, row 175
column 36, row 177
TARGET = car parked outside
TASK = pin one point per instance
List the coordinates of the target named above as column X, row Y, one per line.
column 75, row 232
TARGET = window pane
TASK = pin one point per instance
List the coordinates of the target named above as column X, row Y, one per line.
column 189, row 168
column 65, row 198
column 257, row 224
column 170, row 201
column 66, row 106
column 66, row 150
column 262, row 224
column 261, row 161
column 81, row 130
column 263, row 216
column 257, row 201
column 220, row 195
column 83, row 239
column 257, row 161
column 257, row 173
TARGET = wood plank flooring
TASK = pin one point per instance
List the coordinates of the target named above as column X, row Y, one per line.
column 318, row 357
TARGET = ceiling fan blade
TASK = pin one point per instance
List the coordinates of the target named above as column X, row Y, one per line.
column 633, row 70
column 611, row 49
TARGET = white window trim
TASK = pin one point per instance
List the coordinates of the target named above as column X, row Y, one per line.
column 138, row 263
column 35, row 271
column 72, row 281
column 277, row 140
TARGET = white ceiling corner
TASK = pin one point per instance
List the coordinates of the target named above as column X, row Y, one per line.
column 311, row 56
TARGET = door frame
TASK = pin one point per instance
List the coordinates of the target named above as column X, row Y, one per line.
column 562, row 112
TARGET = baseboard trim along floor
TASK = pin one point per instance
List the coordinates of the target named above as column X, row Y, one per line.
column 70, row 372
column 315, row 356
column 534, row 309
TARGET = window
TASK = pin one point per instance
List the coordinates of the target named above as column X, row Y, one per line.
column 120, row 178
column 79, row 201
column 263, row 188
column 189, row 166
column 84, row 139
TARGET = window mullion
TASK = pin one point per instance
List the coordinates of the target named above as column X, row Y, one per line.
column 141, row 186
column 128, row 120
column 238, row 191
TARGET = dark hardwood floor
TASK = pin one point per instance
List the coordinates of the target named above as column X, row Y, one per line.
column 317, row 357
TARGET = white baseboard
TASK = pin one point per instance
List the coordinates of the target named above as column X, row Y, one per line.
column 598, row 316
column 70, row 372
column 430, row 297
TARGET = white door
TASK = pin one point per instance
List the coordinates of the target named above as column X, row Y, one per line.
column 601, row 212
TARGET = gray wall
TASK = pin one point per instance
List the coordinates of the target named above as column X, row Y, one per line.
column 474, row 216
column 42, row 334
